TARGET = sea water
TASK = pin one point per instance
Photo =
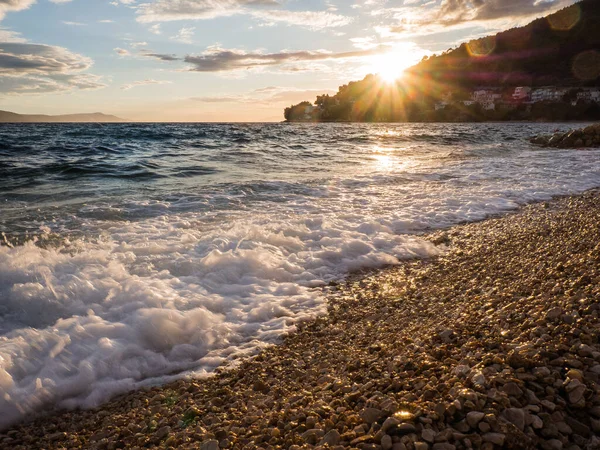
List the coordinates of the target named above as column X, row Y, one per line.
column 134, row 254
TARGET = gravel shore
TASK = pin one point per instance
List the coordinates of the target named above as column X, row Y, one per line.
column 493, row 345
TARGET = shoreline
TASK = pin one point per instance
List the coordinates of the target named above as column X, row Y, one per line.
column 493, row 345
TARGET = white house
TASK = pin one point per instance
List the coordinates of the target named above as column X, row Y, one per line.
column 590, row 95
column 548, row 94
column 487, row 98
column 521, row 93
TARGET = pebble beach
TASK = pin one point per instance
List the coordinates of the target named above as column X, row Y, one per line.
column 494, row 344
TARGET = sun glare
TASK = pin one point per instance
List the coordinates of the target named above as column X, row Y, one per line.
column 391, row 66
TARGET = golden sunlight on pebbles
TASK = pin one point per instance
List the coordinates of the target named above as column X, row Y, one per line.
column 494, row 345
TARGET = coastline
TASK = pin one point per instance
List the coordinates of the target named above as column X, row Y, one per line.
column 493, row 344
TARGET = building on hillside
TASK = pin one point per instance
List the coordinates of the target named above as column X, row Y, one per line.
column 589, row 95
column 487, row 98
column 521, row 93
column 548, row 94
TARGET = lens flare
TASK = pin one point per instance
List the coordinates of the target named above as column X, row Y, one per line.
column 586, row 65
column 482, row 47
column 566, row 19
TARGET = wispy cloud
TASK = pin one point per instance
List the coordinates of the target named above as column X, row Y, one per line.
column 162, row 56
column 216, row 59
column 416, row 18
column 267, row 96
column 148, row 82
column 268, row 12
column 185, row 35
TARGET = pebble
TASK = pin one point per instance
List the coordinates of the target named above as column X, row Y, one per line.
column 474, row 417
column 494, row 438
column 210, row 444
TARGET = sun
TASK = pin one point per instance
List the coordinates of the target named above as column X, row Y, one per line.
column 390, row 66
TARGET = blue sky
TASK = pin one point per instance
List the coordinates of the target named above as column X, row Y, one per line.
column 222, row 60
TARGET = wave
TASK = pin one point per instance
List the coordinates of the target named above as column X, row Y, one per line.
column 152, row 252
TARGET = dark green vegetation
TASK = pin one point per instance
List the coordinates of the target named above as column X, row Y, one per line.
column 558, row 50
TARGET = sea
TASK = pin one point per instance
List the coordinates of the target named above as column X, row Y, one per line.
column 136, row 254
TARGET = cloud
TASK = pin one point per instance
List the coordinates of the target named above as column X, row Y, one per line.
column 36, row 68
column 14, row 5
column 161, row 56
column 457, row 11
column 126, row 87
column 315, row 20
column 217, row 59
column 185, row 35
column 267, row 97
column 121, row 51
column 264, row 10
column 495, row 14
column 167, row 10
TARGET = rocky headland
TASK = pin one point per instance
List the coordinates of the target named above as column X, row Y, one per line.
column 580, row 138
column 493, row 345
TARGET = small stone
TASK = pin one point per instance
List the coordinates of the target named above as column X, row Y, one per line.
column 405, row 428
column 577, row 393
column 371, row 415
column 163, row 432
column 516, row 416
column 440, row 409
column 390, row 422
column 386, row 442
column 494, row 438
column 512, row 389
column 474, row 417
column 462, row 426
column 554, row 313
column 446, row 336
column 312, row 436
column 443, row 446
column 548, row 405
column 428, row 435
column 578, row 428
column 418, row 446
column 552, row 444
column 331, row 438
column 210, row 444
column 260, row 386
column 484, row 427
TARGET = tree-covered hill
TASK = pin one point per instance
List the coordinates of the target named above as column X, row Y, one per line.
column 562, row 49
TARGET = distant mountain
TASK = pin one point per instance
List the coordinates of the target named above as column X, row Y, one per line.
column 10, row 117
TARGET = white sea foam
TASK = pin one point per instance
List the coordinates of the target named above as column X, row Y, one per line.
column 159, row 297
column 181, row 293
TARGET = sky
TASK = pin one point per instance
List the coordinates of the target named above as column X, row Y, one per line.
column 223, row 60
